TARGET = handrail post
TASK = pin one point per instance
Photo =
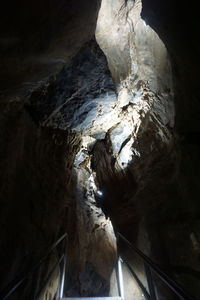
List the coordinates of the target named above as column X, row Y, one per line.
column 172, row 284
column 61, row 290
column 62, row 278
column 7, row 292
column 150, row 282
column 120, row 278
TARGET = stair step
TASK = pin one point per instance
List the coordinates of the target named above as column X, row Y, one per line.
column 92, row 298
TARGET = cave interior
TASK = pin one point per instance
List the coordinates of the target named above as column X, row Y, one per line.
column 100, row 135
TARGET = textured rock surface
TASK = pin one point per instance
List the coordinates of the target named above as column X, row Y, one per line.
column 77, row 141
column 37, row 173
column 35, row 170
column 43, row 214
column 93, row 249
column 153, row 190
column 38, row 38
column 145, row 93
column 178, row 27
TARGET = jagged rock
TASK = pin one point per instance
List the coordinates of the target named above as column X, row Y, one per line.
column 85, row 142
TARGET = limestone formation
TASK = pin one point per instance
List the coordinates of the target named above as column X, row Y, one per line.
column 99, row 133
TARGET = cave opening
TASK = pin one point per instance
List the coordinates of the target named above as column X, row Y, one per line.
column 94, row 142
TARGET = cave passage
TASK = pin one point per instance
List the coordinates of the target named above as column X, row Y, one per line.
column 95, row 142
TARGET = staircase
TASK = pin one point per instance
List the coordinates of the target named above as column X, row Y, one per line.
column 148, row 292
column 120, row 287
column 93, row 298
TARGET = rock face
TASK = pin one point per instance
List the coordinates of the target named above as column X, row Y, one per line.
column 51, row 194
column 93, row 251
column 37, row 39
column 151, row 193
column 75, row 102
column 36, row 169
column 141, row 141
column 90, row 136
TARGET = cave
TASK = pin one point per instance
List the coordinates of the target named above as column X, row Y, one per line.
column 99, row 145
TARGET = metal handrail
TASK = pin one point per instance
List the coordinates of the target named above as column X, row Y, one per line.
column 150, row 265
column 49, row 277
column 142, row 287
column 62, row 282
column 119, row 277
column 7, row 292
column 172, row 284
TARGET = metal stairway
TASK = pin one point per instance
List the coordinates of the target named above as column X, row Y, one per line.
column 92, row 298
column 150, row 291
column 120, row 287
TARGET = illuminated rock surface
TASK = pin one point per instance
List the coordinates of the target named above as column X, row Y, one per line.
column 89, row 135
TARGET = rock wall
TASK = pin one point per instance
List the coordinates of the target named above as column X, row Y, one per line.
column 35, row 173
column 75, row 101
column 38, row 38
column 177, row 25
column 42, row 136
column 36, row 41
column 148, row 193
column 89, row 142
column 142, row 141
